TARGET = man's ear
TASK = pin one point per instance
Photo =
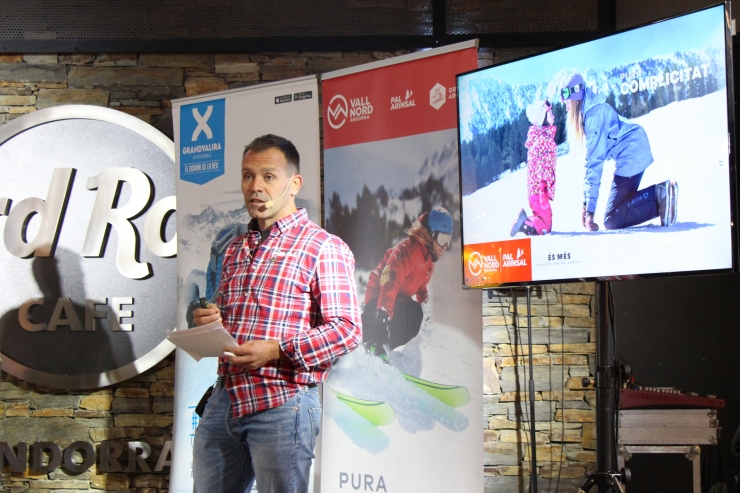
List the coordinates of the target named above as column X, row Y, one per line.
column 295, row 184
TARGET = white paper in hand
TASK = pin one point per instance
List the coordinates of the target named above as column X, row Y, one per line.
column 202, row 342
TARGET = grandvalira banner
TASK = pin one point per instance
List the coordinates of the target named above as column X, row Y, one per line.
column 211, row 132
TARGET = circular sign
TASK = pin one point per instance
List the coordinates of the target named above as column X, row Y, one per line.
column 86, row 215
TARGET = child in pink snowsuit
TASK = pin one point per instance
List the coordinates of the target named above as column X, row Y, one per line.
column 541, row 160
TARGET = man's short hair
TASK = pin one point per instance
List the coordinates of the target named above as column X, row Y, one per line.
column 270, row 141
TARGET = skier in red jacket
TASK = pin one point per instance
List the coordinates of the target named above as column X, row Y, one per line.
column 391, row 316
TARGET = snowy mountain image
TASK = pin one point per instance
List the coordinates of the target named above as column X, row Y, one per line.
column 689, row 144
column 202, row 228
column 493, row 121
column 360, row 192
column 488, row 102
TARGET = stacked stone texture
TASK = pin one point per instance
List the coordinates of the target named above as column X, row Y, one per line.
column 563, row 351
column 143, row 84
column 140, row 409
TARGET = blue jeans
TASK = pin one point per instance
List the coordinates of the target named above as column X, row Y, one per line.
column 275, row 446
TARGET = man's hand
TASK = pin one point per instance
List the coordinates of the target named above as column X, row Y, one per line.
column 254, row 354
column 202, row 316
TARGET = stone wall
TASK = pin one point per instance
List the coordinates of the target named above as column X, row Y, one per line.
column 563, row 350
column 141, row 409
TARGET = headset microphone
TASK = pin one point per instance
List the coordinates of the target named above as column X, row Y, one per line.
column 271, row 202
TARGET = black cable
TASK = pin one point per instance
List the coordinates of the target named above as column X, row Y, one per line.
column 518, row 343
column 612, row 311
column 719, row 458
column 525, row 403
column 562, row 384
column 706, row 470
column 530, row 388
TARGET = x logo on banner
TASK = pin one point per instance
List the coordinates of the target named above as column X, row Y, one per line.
column 202, row 123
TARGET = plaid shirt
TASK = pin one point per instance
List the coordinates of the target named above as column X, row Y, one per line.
column 297, row 287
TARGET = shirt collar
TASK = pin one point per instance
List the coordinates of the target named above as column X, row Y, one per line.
column 285, row 224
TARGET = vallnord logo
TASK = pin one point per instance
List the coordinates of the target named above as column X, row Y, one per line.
column 482, row 264
column 359, row 109
column 475, row 263
column 337, row 113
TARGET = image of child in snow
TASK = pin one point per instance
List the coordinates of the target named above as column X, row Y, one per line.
column 541, row 160
column 392, row 314
column 596, row 131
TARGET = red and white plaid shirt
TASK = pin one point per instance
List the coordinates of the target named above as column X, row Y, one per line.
column 297, row 287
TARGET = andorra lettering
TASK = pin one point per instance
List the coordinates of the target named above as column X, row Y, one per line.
column 80, row 456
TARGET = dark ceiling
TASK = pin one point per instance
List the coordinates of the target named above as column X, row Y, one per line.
column 314, row 25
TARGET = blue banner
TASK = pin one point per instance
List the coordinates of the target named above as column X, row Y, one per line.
column 202, row 141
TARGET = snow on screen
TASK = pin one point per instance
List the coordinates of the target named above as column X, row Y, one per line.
column 674, row 87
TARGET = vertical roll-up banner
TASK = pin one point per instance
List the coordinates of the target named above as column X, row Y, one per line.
column 211, row 132
column 403, row 413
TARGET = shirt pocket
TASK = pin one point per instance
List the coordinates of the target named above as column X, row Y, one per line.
column 285, row 283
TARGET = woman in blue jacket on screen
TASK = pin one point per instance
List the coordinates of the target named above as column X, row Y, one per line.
column 595, row 128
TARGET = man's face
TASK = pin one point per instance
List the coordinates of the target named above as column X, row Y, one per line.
column 265, row 176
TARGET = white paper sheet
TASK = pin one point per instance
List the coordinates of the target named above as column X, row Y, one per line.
column 202, row 342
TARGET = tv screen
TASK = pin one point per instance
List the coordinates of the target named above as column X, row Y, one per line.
column 603, row 160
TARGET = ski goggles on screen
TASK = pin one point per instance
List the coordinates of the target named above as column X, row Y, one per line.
column 567, row 92
column 443, row 239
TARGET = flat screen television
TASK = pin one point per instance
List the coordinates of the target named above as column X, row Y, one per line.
column 608, row 159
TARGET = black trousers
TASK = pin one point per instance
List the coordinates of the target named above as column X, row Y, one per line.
column 627, row 205
column 404, row 326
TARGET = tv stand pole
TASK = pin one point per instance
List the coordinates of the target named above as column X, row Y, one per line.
column 532, row 422
column 605, row 476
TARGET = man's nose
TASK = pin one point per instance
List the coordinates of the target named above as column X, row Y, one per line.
column 257, row 185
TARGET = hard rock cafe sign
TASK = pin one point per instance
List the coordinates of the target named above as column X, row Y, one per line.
column 88, row 246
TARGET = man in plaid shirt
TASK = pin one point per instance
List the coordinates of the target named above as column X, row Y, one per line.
column 287, row 295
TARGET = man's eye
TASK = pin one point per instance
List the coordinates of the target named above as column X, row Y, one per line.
column 269, row 178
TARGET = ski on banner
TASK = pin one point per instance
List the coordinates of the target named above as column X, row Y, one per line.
column 452, row 395
column 378, row 413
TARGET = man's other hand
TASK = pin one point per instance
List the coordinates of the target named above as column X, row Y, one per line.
column 202, row 316
column 254, row 354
